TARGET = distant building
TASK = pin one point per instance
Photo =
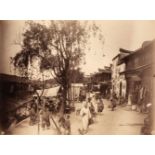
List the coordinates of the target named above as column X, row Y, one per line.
column 103, row 75
column 101, row 80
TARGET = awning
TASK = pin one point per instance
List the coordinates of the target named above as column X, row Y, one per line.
column 51, row 92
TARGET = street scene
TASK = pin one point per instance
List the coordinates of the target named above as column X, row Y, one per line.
column 77, row 77
column 108, row 122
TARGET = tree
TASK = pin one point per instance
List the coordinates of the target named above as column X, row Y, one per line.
column 59, row 45
column 76, row 76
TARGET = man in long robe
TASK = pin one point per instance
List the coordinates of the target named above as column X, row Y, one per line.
column 85, row 115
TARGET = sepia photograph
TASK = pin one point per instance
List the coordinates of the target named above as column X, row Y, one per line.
column 77, row 77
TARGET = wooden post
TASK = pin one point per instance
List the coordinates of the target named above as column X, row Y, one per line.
column 38, row 118
column 153, row 106
column 153, row 92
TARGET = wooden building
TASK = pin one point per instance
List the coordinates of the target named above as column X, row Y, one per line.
column 118, row 80
column 101, row 81
column 139, row 68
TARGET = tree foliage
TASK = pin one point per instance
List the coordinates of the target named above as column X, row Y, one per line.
column 60, row 46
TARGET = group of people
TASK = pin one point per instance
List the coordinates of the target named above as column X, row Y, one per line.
column 90, row 107
column 41, row 113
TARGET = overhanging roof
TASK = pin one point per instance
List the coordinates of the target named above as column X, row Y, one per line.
column 13, row 78
column 139, row 50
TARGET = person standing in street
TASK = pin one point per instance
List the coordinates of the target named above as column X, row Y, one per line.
column 113, row 102
column 94, row 103
column 45, row 118
column 65, row 125
column 33, row 115
column 92, row 110
column 90, row 105
column 61, row 122
column 100, row 105
column 85, row 116
column 141, row 99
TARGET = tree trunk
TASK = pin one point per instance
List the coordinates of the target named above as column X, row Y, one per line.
column 63, row 101
column 65, row 86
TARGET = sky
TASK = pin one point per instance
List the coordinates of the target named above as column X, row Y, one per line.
column 117, row 34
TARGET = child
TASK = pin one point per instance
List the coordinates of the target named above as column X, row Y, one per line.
column 67, row 125
column 64, row 125
column 61, row 122
column 100, row 105
column 45, row 118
